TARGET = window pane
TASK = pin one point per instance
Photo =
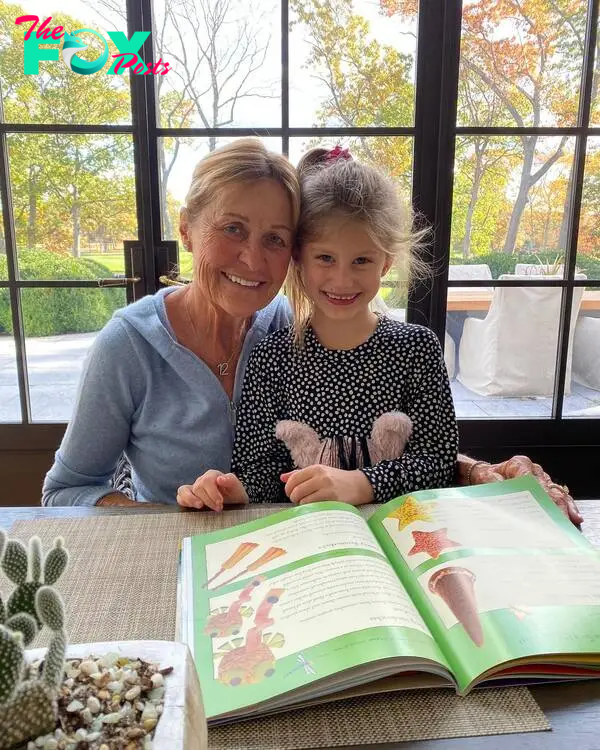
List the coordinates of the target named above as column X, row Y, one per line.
column 177, row 158
column 588, row 242
column 585, row 353
column 510, row 204
column 521, row 63
column 225, row 63
column 60, row 325
column 595, row 110
column 57, row 94
column 501, row 351
column 74, row 203
column 352, row 63
column 3, row 263
column 10, row 404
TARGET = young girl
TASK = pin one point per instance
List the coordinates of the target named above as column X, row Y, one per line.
column 341, row 365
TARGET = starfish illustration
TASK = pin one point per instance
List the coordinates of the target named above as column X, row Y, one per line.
column 411, row 511
column 520, row 611
column 432, row 542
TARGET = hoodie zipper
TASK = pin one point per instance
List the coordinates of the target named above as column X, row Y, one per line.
column 232, row 413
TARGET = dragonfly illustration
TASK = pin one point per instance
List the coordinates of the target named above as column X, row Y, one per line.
column 303, row 663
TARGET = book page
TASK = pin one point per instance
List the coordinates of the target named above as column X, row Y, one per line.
column 293, row 598
column 496, row 571
column 424, row 530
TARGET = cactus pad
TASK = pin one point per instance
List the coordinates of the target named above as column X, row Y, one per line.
column 31, row 712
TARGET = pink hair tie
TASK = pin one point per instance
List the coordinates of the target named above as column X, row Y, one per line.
column 338, row 153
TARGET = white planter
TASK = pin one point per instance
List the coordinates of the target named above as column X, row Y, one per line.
column 182, row 725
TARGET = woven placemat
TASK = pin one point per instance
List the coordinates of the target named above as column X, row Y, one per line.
column 121, row 585
column 387, row 717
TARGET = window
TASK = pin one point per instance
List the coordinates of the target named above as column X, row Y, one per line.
column 487, row 116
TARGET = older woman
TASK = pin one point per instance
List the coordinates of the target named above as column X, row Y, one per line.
column 163, row 377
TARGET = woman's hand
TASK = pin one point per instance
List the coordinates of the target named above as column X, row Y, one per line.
column 519, row 466
column 318, row 482
column 212, row 491
column 481, row 472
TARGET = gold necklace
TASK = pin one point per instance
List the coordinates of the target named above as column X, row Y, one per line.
column 223, row 367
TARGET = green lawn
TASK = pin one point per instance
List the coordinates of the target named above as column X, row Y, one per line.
column 115, row 262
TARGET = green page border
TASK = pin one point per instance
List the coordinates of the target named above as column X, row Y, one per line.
column 458, row 658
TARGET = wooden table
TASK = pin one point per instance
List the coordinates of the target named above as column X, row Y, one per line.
column 480, row 299
column 573, row 710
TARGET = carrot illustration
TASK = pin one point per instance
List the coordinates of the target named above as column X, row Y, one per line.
column 243, row 549
column 271, row 554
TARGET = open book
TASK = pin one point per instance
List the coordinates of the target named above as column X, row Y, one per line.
column 452, row 587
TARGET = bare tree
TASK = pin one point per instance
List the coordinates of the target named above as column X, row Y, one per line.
column 214, row 55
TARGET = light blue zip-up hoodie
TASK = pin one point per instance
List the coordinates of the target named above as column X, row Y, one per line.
column 143, row 393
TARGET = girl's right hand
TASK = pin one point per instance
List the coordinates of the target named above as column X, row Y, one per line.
column 212, row 491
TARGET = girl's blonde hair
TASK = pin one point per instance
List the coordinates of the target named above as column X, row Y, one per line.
column 334, row 186
column 245, row 160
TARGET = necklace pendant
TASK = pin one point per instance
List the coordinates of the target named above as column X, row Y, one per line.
column 223, row 368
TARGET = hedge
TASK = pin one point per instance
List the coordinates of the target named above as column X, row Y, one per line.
column 52, row 311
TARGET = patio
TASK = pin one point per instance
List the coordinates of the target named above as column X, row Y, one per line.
column 54, row 365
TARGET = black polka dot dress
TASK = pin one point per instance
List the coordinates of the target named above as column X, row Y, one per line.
column 400, row 367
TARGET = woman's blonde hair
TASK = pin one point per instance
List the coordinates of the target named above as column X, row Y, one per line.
column 243, row 160
column 334, row 186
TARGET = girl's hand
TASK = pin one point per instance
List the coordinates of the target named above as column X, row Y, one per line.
column 212, row 491
column 317, row 482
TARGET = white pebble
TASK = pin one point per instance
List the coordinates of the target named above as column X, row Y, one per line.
column 92, row 736
column 86, row 715
column 74, row 706
column 31, row 745
column 93, row 704
column 111, row 718
column 159, row 709
column 139, row 705
column 59, row 734
column 156, row 694
column 147, row 743
column 132, row 694
column 81, row 735
column 97, row 725
column 149, row 711
column 69, row 683
column 88, row 667
column 108, row 660
column 50, row 744
column 40, row 741
column 115, row 687
column 157, row 680
column 131, row 677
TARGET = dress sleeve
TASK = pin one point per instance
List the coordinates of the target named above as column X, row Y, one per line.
column 99, row 429
column 430, row 456
column 258, row 456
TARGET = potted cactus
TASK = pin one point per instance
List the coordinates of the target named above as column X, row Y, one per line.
column 36, row 701
column 28, row 707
